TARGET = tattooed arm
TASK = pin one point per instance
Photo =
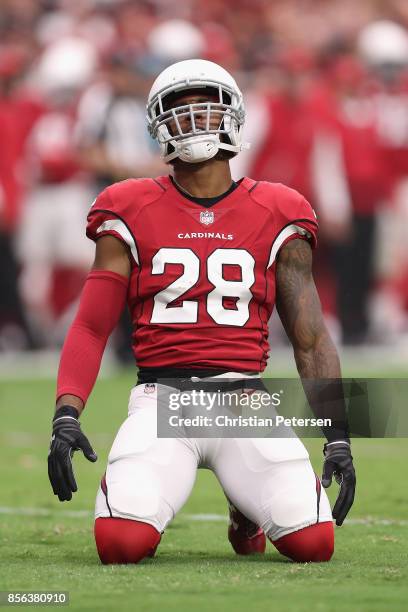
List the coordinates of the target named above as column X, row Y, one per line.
column 316, row 357
column 317, row 362
column 299, row 308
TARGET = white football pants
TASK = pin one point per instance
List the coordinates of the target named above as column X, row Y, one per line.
column 148, row 479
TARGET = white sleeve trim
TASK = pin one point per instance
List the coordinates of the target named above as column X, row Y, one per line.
column 284, row 235
column 116, row 225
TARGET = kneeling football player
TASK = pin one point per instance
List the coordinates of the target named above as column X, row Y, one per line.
column 200, row 260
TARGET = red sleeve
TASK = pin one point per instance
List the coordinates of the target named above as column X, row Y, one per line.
column 102, row 302
column 298, row 221
column 296, row 212
column 306, row 218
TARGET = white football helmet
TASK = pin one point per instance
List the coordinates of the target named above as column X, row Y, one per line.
column 196, row 144
column 384, row 42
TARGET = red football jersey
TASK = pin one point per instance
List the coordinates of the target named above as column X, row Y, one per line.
column 202, row 285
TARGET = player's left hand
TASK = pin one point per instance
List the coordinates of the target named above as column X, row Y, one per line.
column 67, row 437
column 338, row 462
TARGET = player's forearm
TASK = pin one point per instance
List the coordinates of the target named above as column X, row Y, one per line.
column 320, row 372
column 80, row 361
column 315, row 354
column 101, row 305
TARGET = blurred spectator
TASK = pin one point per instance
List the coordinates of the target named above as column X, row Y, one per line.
column 18, row 110
column 111, row 133
column 284, row 152
column 348, row 171
column 383, row 46
column 51, row 245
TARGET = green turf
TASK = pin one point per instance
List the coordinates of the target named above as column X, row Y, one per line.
column 195, row 567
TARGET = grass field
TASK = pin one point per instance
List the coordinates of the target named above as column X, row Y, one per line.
column 48, row 545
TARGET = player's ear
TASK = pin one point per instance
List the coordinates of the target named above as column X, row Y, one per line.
column 170, row 150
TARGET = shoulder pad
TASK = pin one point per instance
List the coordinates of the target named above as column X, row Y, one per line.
column 283, row 201
column 133, row 194
column 115, row 210
column 292, row 215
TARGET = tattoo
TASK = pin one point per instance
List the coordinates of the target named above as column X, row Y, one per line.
column 299, row 309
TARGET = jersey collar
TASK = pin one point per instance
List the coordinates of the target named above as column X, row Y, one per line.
column 231, row 197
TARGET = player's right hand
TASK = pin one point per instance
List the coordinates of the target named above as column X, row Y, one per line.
column 67, row 437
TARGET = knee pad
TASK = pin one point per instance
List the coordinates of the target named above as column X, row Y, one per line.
column 124, row 541
column 314, row 543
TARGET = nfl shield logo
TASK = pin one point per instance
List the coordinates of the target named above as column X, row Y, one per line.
column 207, row 217
column 149, row 388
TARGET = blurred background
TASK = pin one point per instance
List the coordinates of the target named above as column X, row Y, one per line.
column 326, row 91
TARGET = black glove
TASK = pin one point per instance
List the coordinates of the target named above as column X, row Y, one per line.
column 339, row 462
column 67, row 437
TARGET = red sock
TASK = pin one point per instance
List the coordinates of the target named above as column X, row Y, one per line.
column 124, row 541
column 314, row 543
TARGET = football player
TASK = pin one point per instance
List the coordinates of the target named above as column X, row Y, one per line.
column 200, row 261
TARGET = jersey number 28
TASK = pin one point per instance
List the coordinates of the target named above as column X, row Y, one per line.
column 188, row 311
